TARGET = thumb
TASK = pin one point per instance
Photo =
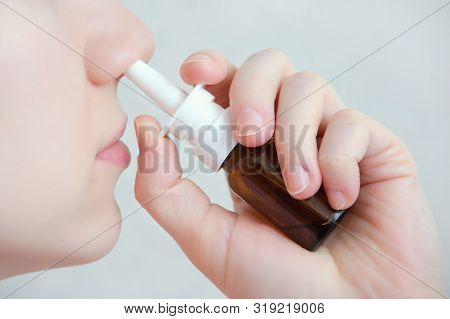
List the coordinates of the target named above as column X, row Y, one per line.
column 200, row 228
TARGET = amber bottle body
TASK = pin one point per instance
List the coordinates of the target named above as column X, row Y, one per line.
column 254, row 175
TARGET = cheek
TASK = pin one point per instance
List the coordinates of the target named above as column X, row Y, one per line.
column 48, row 162
column 53, row 194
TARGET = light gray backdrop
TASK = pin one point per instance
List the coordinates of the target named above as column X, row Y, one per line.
column 405, row 85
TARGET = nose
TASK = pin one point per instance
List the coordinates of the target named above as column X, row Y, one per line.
column 114, row 43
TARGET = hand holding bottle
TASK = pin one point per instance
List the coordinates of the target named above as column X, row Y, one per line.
column 386, row 246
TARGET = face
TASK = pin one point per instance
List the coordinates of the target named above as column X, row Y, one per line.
column 60, row 125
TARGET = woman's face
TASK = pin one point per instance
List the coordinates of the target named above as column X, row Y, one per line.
column 59, row 126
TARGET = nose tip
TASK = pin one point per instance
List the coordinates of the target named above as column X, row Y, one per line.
column 109, row 53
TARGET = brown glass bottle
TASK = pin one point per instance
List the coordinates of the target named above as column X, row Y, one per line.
column 254, row 175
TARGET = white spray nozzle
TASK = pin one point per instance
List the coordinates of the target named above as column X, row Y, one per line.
column 160, row 90
column 195, row 116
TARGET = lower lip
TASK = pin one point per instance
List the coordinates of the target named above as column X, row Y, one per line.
column 117, row 154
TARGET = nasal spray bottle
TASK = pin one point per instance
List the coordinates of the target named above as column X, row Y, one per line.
column 254, row 174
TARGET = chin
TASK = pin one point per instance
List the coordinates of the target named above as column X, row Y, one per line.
column 98, row 241
column 83, row 241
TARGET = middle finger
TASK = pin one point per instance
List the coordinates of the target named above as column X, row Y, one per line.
column 253, row 93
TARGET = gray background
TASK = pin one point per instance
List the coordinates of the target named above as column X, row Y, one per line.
column 405, row 86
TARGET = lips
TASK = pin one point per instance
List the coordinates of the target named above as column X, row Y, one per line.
column 116, row 152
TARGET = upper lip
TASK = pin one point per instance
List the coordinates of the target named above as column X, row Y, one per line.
column 118, row 133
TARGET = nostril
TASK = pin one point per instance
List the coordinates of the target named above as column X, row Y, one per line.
column 110, row 53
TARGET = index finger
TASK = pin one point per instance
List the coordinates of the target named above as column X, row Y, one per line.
column 212, row 69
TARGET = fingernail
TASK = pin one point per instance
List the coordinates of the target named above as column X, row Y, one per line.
column 298, row 179
column 337, row 198
column 198, row 58
column 249, row 122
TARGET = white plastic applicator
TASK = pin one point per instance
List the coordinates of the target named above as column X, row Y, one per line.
column 195, row 117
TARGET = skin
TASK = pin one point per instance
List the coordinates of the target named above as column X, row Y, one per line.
column 386, row 246
column 56, row 195
column 57, row 111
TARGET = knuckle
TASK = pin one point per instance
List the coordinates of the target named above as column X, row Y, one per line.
column 276, row 56
column 327, row 159
column 270, row 52
column 348, row 117
column 305, row 79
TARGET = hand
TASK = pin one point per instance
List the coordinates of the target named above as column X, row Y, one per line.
column 386, row 246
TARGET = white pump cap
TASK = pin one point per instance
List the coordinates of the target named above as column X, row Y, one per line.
column 195, row 117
